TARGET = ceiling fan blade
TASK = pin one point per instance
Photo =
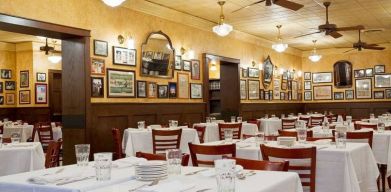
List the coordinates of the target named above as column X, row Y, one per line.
column 349, row 50
column 370, row 45
column 375, row 48
column 288, row 4
column 247, row 6
column 353, row 28
column 335, row 34
column 308, row 34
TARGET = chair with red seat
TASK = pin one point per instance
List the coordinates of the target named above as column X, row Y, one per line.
column 261, row 165
column 306, row 119
column 221, row 150
column 200, row 131
column 117, row 144
column 288, row 123
column 45, row 133
column 52, row 158
column 293, row 133
column 166, row 139
column 236, row 128
column 150, row 156
column 316, row 121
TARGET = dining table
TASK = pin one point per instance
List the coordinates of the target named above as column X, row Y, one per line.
column 212, row 130
column 26, row 131
column 270, row 126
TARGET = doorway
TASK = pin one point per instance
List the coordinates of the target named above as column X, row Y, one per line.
column 55, row 95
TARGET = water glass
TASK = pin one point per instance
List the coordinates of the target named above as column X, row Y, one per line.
column 141, row 124
column 239, row 119
column 381, row 127
column 266, row 116
column 233, row 119
column 228, row 135
column 15, row 138
column 371, row 116
column 259, row 139
column 299, row 114
column 174, row 123
column 340, row 139
column 174, row 160
column 208, row 120
column 273, row 116
column 325, row 126
column 225, row 175
column 301, row 134
column 82, row 154
column 103, row 166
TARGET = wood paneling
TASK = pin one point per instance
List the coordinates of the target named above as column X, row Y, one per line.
column 29, row 114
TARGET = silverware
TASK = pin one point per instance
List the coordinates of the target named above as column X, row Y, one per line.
column 75, row 180
column 242, row 176
column 195, row 172
column 202, row 190
column 155, row 182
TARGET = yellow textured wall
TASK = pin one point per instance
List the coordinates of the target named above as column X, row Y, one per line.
column 24, row 62
column 7, row 61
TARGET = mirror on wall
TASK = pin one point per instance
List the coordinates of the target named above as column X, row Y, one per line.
column 157, row 56
column 268, row 68
column 343, row 74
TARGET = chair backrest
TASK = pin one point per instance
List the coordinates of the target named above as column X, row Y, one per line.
column 365, row 126
column 295, row 154
column 320, row 138
column 262, row 165
column 222, row 150
column 7, row 140
column 293, row 133
column 364, row 135
column 200, row 131
column 117, row 143
column 150, row 156
column 53, row 154
column 306, row 119
column 332, row 118
column 288, row 123
column 45, row 133
column 166, row 139
column 315, row 121
column 236, row 127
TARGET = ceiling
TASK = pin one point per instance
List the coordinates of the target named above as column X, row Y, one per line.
column 10, row 37
column 261, row 21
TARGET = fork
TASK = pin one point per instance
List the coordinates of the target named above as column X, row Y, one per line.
column 195, row 172
column 155, row 182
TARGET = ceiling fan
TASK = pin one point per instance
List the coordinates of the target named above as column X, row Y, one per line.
column 362, row 45
column 283, row 3
column 332, row 29
column 48, row 49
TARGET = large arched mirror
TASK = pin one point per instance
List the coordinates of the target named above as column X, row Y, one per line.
column 268, row 69
column 343, row 74
column 157, row 56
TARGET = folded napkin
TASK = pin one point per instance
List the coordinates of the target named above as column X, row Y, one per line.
column 128, row 161
column 172, row 186
column 52, row 178
column 212, row 172
column 322, row 142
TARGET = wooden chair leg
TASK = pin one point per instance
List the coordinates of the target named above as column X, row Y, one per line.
column 383, row 172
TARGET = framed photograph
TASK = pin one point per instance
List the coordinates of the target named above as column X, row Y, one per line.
column 359, row 73
column 1, row 100
column 124, row 56
column 261, row 94
column 152, row 90
column 284, row 85
column 172, row 90
column 253, row 89
column 322, row 77
column 24, row 79
column 244, row 72
column 363, row 88
column 121, row 83
column 41, row 77
column 268, row 69
column 307, row 95
column 307, row 85
column 276, row 95
column 97, row 66
column 24, row 97
column 323, row 92
column 41, row 93
column 387, row 93
column 243, row 89
column 101, row 48
column 379, row 69
column 282, row 95
column 369, row 72
column 383, row 81
column 183, row 85
column 10, row 99
column 378, row 94
column 178, row 62
column 1, row 87
column 195, row 70
column 141, row 89
column 186, row 65
column 196, row 91
column 9, row 85
column 97, row 87
column 307, row 75
column 267, row 95
column 338, row 95
column 6, row 74
column 162, row 91
column 349, row 94
column 253, row 72
column 285, row 75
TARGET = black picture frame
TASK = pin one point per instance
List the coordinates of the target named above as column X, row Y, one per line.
column 1, row 87
column 178, row 63
column 348, row 93
column 244, row 72
column 108, row 92
column 193, row 87
column 27, row 92
column 98, row 44
column 97, row 91
column 6, row 73
column 387, row 93
column 307, row 76
column 282, row 95
column 10, row 85
column 162, row 91
column 376, row 96
column 317, row 86
column 369, row 72
column 359, row 73
column 172, row 90
column 307, row 85
column 379, row 69
column 1, row 100
column 186, row 65
column 253, row 72
column 142, row 93
column 377, row 83
column 26, row 82
column 41, row 77
column 261, row 94
column 369, row 91
column 306, row 95
column 315, row 81
column 133, row 62
column 338, row 95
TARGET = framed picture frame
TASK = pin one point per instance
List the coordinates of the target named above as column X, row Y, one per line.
column 282, row 95
column 186, row 65
column 1, row 100
column 162, row 91
column 284, row 75
column 195, row 70
column 97, row 87
column 276, row 95
column 1, row 87
column 387, row 93
column 378, row 94
column 268, row 69
column 141, row 89
column 349, row 94
column 359, row 73
column 338, row 95
column 253, row 89
column 323, row 92
column 195, row 91
column 98, row 66
column 172, row 90
column 379, row 69
column 284, row 85
column 307, row 95
column 24, row 79
column 101, row 48
column 183, row 85
column 307, row 85
column 10, row 98
column 152, row 90
column 267, row 95
column 307, row 75
column 124, row 56
column 24, row 97
column 41, row 77
column 363, row 88
column 244, row 72
column 322, row 77
column 10, row 85
column 178, row 62
column 369, row 72
column 383, row 81
column 6, row 74
column 41, row 93
column 243, row 89
column 253, row 72
column 121, row 83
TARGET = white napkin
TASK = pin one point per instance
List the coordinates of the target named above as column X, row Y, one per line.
column 129, row 161
column 172, row 186
column 322, row 142
column 51, row 178
column 212, row 172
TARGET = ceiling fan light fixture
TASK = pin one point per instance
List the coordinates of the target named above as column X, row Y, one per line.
column 314, row 57
column 222, row 29
column 53, row 58
column 113, row 3
column 280, row 46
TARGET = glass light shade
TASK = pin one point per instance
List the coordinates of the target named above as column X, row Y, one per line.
column 280, row 47
column 54, row 58
column 314, row 57
column 113, row 3
column 222, row 29
column 299, row 73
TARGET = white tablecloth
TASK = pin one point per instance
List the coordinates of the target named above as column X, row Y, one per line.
column 21, row 157
column 25, row 131
column 212, row 130
column 135, row 140
column 270, row 126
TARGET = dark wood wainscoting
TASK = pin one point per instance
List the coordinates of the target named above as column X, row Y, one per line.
column 106, row 116
column 31, row 115
column 258, row 110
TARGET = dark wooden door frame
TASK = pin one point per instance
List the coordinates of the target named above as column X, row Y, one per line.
column 76, row 74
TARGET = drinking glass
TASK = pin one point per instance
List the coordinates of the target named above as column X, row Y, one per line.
column 325, row 126
column 233, row 119
column 82, row 154
column 259, row 139
column 170, row 123
column 208, row 120
column 15, row 138
column 266, row 116
column 239, row 119
column 340, row 139
column 141, row 124
column 103, row 166
column 174, row 160
column 301, row 134
column 225, row 175
column 273, row 116
column 173, row 123
column 371, row 116
column 380, row 125
column 228, row 134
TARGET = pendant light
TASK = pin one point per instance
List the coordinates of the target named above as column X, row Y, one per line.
column 113, row 3
column 222, row 29
column 314, row 57
column 279, row 46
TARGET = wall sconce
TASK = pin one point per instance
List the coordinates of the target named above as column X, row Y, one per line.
column 183, row 51
column 128, row 39
column 281, row 71
column 189, row 53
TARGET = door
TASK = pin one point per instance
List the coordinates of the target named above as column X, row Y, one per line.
column 55, row 92
column 229, row 89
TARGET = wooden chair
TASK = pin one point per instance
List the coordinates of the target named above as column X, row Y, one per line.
column 320, row 138
column 293, row 133
column 1, row 129
column 332, row 118
column 261, row 165
column 45, row 134
column 236, row 127
column 117, row 144
column 358, row 126
column 364, row 135
column 150, row 156
column 166, row 139
column 200, row 131
column 222, row 150
column 316, row 121
column 6, row 140
column 52, row 158
column 303, row 153
column 306, row 119
column 58, row 124
column 288, row 123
